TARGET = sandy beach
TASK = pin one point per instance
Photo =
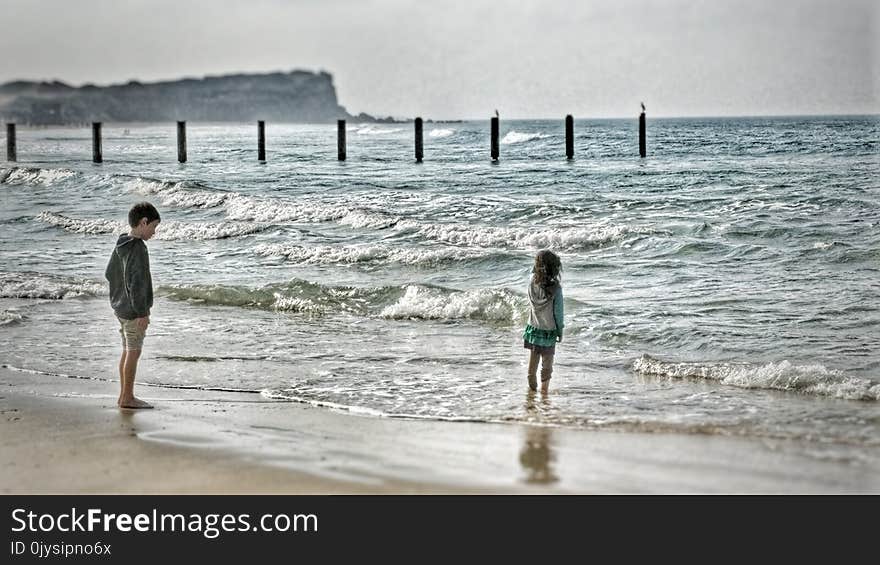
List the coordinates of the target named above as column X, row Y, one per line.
column 65, row 435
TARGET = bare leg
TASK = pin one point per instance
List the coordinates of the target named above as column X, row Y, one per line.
column 533, row 369
column 121, row 378
column 129, row 369
column 546, row 371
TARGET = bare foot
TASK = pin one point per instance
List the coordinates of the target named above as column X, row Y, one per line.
column 135, row 403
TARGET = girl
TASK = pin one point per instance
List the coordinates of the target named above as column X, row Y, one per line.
column 544, row 329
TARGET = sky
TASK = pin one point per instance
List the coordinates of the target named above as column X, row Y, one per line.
column 449, row 59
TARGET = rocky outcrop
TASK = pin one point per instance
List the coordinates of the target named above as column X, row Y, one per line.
column 297, row 96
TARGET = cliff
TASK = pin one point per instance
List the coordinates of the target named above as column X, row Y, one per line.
column 297, row 96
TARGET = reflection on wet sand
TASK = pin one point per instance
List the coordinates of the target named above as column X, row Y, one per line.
column 537, row 456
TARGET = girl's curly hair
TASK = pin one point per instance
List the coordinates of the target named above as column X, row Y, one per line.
column 547, row 269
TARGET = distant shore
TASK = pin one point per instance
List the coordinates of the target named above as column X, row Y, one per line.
column 63, row 435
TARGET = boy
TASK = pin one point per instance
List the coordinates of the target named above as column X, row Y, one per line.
column 131, row 295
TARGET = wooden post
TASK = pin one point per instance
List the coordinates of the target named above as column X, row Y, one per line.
column 10, row 142
column 420, row 152
column 97, row 157
column 340, row 139
column 569, row 137
column 181, row 142
column 494, row 138
column 642, row 151
column 261, row 140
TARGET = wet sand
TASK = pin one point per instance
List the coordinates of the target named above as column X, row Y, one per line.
column 63, row 435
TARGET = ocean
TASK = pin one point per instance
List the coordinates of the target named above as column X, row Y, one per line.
column 728, row 284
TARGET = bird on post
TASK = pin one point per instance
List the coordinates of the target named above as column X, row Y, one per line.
column 643, row 107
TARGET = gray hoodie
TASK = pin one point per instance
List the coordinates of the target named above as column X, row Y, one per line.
column 131, row 286
column 547, row 311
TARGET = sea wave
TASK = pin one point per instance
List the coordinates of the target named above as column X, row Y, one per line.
column 168, row 230
column 295, row 296
column 368, row 253
column 34, row 176
column 783, row 375
column 586, row 237
column 516, row 137
column 431, row 303
column 389, row 302
column 74, row 225
column 180, row 194
column 264, row 210
column 9, row 318
column 441, row 132
column 373, row 130
column 40, row 285
column 243, row 208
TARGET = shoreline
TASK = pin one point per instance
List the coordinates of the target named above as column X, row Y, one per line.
column 64, row 435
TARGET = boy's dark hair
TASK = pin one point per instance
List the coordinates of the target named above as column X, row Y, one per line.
column 547, row 269
column 142, row 210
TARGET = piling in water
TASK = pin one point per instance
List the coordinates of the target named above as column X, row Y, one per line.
column 569, row 137
column 10, row 142
column 420, row 152
column 261, row 140
column 340, row 139
column 97, row 156
column 642, row 150
column 495, row 138
column 181, row 142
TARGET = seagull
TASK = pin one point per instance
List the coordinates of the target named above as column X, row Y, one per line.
column 643, row 107
column 496, row 113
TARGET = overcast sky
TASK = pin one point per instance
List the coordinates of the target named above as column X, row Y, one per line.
column 464, row 58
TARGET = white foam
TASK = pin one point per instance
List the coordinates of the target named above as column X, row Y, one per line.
column 206, row 230
column 32, row 176
column 194, row 199
column 94, row 226
column 822, row 245
column 373, row 130
column 358, row 219
column 8, row 318
column 273, row 212
column 441, row 132
column 175, row 194
column 782, row 375
column 326, row 255
column 517, row 137
column 293, row 304
column 168, row 230
column 434, row 304
column 262, row 210
column 518, row 238
column 38, row 285
column 147, row 186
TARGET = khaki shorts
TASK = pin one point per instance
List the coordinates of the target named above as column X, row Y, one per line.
column 132, row 335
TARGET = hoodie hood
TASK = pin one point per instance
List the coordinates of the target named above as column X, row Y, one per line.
column 542, row 314
column 538, row 296
column 124, row 239
column 126, row 245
